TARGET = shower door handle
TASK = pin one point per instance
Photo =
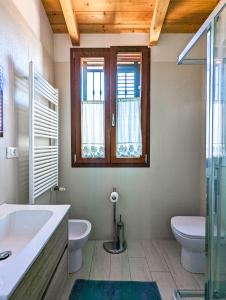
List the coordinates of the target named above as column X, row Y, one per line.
column 113, row 120
column 216, row 186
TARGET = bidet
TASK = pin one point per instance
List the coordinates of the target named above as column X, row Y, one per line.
column 78, row 235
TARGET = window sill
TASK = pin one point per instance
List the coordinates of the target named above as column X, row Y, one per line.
column 112, row 165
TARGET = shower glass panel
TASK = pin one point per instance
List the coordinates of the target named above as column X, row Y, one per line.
column 214, row 30
column 216, row 154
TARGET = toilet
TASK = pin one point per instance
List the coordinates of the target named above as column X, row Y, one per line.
column 189, row 231
column 78, row 235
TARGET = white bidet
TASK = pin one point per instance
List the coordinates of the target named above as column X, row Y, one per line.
column 78, row 234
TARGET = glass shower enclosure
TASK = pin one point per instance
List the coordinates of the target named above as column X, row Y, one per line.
column 214, row 30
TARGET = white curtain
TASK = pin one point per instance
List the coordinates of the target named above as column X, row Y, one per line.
column 93, row 128
column 129, row 141
column 128, row 124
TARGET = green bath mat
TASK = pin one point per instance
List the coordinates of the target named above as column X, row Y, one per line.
column 114, row 290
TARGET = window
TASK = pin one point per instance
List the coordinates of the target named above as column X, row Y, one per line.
column 92, row 107
column 128, row 105
column 110, row 104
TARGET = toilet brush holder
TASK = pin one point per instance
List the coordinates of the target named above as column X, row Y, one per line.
column 114, row 247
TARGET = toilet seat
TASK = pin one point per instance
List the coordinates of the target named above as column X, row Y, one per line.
column 188, row 237
column 189, row 226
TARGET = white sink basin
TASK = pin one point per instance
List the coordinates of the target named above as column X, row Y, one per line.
column 24, row 230
column 19, row 227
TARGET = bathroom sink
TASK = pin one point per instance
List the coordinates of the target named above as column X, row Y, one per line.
column 19, row 227
column 24, row 231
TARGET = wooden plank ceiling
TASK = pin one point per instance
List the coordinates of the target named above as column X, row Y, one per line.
column 117, row 16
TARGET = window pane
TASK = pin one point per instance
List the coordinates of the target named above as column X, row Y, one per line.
column 92, row 108
column 128, row 105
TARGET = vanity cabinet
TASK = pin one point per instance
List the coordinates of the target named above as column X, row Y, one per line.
column 48, row 274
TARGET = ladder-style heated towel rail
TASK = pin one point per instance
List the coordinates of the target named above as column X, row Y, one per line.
column 43, row 135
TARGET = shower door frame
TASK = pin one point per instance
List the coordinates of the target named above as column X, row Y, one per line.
column 207, row 28
column 214, row 192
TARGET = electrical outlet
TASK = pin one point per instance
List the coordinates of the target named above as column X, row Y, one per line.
column 11, row 152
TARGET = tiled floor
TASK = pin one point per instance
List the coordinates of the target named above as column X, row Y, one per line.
column 156, row 260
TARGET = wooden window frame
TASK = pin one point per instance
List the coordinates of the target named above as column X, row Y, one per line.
column 76, row 55
column 110, row 67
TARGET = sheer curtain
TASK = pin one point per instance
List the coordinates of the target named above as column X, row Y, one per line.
column 128, row 125
column 92, row 129
column 129, row 141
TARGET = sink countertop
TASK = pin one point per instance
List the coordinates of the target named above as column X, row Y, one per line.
column 13, row 270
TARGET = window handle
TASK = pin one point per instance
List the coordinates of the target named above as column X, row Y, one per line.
column 113, row 120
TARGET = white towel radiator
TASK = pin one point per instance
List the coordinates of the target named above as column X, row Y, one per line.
column 43, row 135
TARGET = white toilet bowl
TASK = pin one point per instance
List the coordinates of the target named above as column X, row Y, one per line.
column 190, row 233
column 78, row 234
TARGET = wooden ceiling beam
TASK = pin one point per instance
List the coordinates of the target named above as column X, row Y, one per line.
column 117, row 16
column 71, row 21
column 158, row 18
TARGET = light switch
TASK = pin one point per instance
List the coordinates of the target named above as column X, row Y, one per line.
column 11, row 152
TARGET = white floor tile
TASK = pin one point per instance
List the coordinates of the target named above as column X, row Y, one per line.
column 120, row 267
column 100, row 269
column 139, row 269
column 171, row 252
column 135, row 249
column 165, row 284
column 155, row 259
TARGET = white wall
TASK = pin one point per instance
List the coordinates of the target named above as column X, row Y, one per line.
column 167, row 50
column 25, row 35
column 171, row 186
column 35, row 16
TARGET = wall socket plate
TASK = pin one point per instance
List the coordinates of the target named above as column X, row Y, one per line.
column 11, row 152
